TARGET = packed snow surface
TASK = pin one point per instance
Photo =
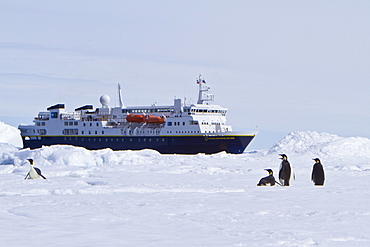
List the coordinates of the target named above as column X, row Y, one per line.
column 143, row 198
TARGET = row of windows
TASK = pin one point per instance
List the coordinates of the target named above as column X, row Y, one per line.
column 70, row 123
column 146, row 110
column 191, row 123
column 207, row 111
column 67, row 124
column 75, row 124
column 95, row 139
column 91, row 124
column 75, row 132
column 184, row 132
column 175, row 123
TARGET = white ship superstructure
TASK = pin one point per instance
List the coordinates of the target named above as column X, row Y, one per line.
column 144, row 126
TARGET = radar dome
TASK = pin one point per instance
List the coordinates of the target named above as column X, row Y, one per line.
column 104, row 100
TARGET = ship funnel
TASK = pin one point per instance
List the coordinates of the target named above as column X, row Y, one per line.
column 120, row 96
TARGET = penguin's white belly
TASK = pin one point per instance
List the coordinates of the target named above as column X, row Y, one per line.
column 33, row 174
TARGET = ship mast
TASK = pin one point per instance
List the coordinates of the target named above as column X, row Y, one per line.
column 120, row 96
column 203, row 91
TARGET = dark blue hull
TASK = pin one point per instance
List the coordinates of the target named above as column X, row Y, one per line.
column 163, row 144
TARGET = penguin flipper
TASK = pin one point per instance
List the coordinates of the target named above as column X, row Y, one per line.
column 39, row 172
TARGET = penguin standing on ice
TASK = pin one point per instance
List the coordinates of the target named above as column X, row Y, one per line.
column 285, row 171
column 34, row 171
column 269, row 180
column 318, row 174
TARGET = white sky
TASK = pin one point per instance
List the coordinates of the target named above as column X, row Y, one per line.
column 279, row 66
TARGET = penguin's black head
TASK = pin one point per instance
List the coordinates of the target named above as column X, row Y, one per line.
column 317, row 160
column 269, row 171
column 31, row 161
column 283, row 157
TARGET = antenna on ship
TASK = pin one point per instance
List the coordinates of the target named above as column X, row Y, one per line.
column 203, row 91
column 120, row 96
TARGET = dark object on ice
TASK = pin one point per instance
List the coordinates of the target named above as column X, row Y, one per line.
column 285, row 171
column 269, row 180
column 318, row 174
column 34, row 171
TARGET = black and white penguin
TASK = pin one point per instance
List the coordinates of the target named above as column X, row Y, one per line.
column 34, row 171
column 285, row 171
column 318, row 174
column 269, row 180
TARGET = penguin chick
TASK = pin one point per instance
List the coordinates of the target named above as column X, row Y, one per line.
column 269, row 180
column 285, row 171
column 34, row 171
column 318, row 174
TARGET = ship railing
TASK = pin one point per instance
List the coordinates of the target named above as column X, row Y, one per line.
column 70, row 116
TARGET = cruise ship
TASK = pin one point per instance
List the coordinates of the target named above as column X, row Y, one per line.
column 169, row 129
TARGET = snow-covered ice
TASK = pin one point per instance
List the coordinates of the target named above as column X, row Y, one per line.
column 143, row 198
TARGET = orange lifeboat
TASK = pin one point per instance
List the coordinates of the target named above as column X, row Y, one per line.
column 132, row 118
column 154, row 119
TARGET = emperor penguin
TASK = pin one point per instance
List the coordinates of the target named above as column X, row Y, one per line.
column 318, row 174
column 285, row 171
column 34, row 171
column 269, row 180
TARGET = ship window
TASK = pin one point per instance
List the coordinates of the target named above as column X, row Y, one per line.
column 70, row 123
column 54, row 115
column 169, row 123
column 65, row 123
column 183, row 123
column 96, row 132
column 70, row 131
column 43, row 124
column 102, row 132
column 82, row 132
column 84, row 124
column 97, row 124
column 75, row 123
column 37, row 123
column 90, row 124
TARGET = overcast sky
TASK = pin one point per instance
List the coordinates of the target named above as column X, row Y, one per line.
column 279, row 66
